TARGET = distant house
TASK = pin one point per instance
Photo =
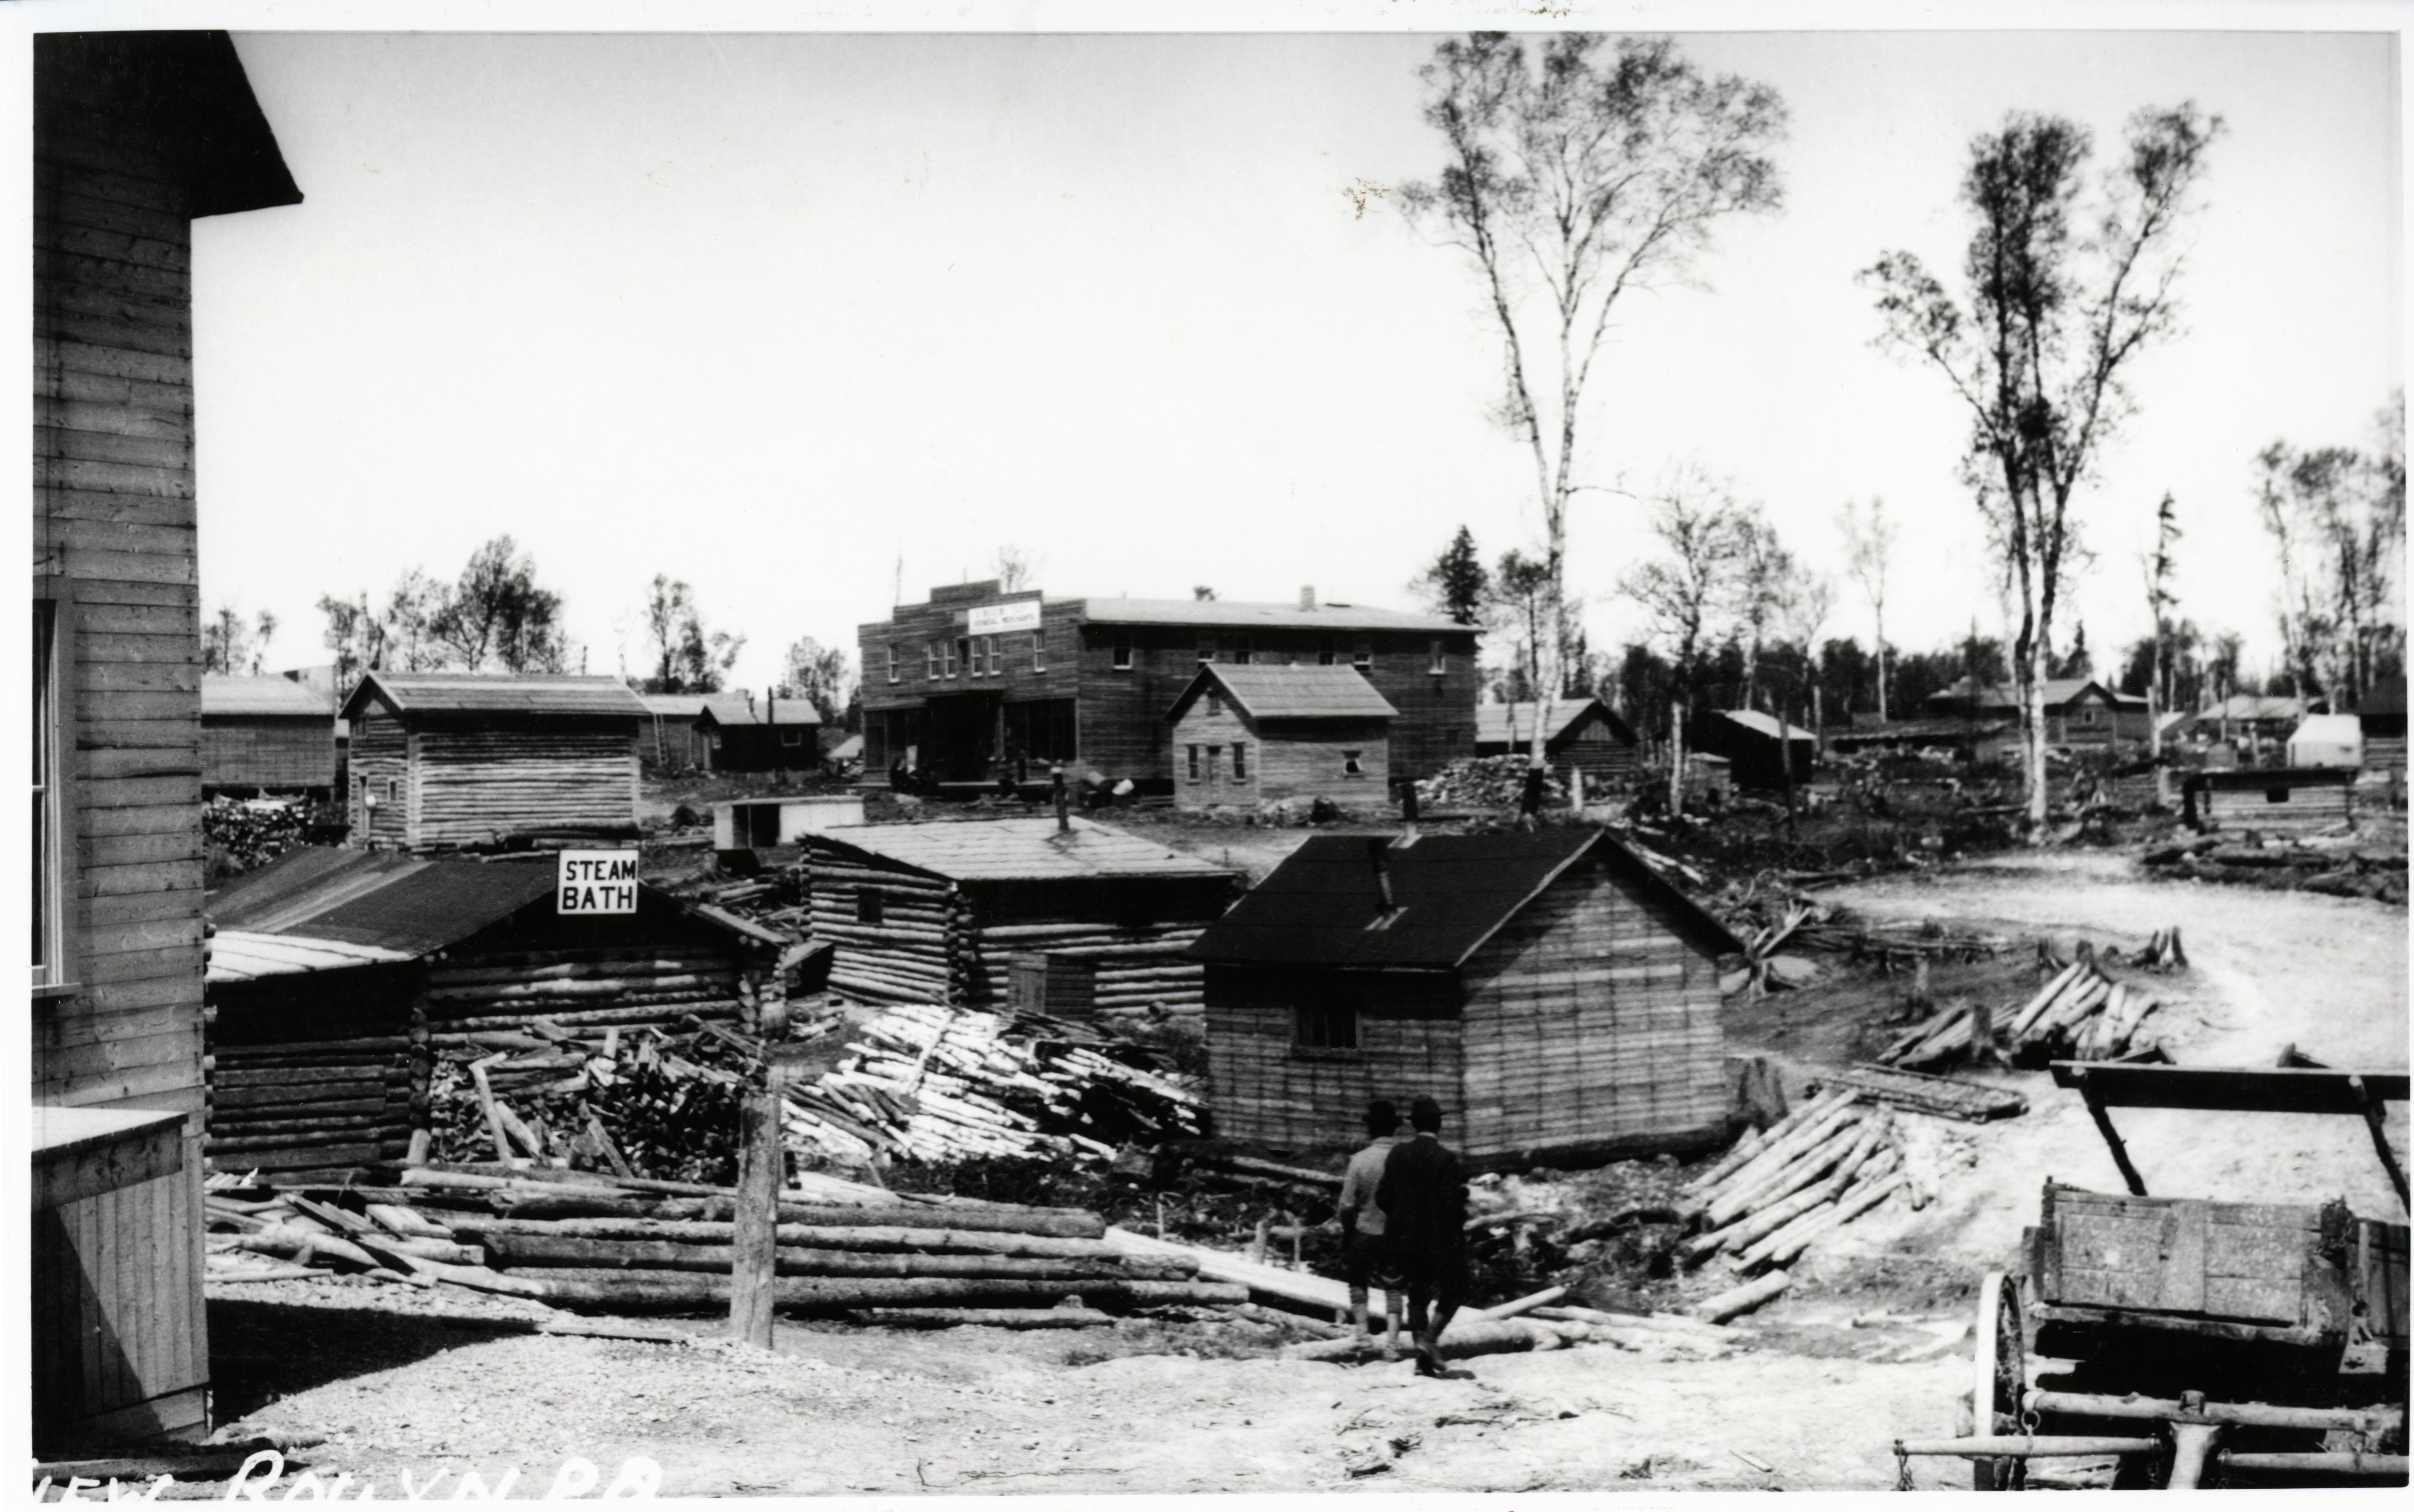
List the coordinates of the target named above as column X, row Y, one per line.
column 336, row 976
column 458, row 759
column 669, row 738
column 2327, row 740
column 938, row 912
column 779, row 734
column 2274, row 801
column 1970, row 739
column 2133, row 718
column 266, row 735
column 2383, row 721
column 2252, row 718
column 1751, row 742
column 1549, row 990
column 2080, row 712
column 1582, row 734
column 1250, row 735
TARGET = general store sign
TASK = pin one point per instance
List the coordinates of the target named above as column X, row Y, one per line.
column 998, row 618
column 596, row 882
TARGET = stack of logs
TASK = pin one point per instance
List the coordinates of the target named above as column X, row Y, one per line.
column 314, row 1103
column 1782, row 1189
column 935, row 1084
column 590, row 1242
column 586, row 990
column 2079, row 1014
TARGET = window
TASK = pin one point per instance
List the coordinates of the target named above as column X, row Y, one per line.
column 1039, row 651
column 50, row 886
column 892, row 663
column 977, row 657
column 930, row 652
column 1193, row 764
column 792, row 738
column 1325, row 1025
column 1435, row 662
column 871, row 906
column 1206, row 648
column 954, row 652
column 1241, row 650
column 1214, row 760
column 1215, row 701
column 1364, row 656
column 1123, row 651
column 392, row 789
column 1350, row 764
column 1240, row 760
column 1326, row 650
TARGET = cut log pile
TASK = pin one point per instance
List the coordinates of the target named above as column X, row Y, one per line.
column 938, row 1085
column 597, row 1243
column 1941, row 1095
column 1781, row 1189
column 2341, row 870
column 1488, row 782
column 2079, row 1014
column 312, row 1104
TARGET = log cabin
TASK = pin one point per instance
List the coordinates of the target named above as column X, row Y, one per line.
column 137, row 135
column 937, row 912
column 978, row 683
column 1249, row 735
column 448, row 759
column 2080, row 714
column 1548, row 989
column 1579, row 735
column 266, row 735
column 338, row 976
column 2273, row 800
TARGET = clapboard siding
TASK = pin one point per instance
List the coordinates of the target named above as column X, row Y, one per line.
column 1287, row 759
column 472, row 786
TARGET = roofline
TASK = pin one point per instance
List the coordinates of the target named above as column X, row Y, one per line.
column 1214, row 669
column 1539, row 888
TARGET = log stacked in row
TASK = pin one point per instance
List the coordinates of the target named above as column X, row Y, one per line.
column 2079, row 1014
column 582, row 989
column 314, row 1104
column 904, row 947
column 615, row 1245
column 936, row 1085
column 1783, row 1189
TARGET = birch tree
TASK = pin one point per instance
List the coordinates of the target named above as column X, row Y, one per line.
column 2159, row 565
column 1868, row 556
column 1572, row 179
column 2064, row 290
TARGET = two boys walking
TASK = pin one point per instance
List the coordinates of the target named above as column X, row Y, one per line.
column 1403, row 1224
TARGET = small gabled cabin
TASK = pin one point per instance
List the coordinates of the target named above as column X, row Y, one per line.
column 938, row 912
column 779, row 734
column 338, row 976
column 2080, row 712
column 1248, row 734
column 1758, row 747
column 443, row 759
column 2275, row 800
column 670, row 740
column 266, row 735
column 1579, row 735
column 1551, row 992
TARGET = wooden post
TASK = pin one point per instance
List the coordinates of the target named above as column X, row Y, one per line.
column 2112, row 1141
column 2374, row 1116
column 754, row 1234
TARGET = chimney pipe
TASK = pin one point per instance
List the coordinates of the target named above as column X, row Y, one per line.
column 1307, row 597
column 1383, row 875
column 1056, row 777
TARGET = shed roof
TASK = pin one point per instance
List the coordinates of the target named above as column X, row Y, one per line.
column 1217, row 614
column 476, row 692
column 224, row 696
column 2058, row 691
column 675, row 705
column 1765, row 724
column 2257, row 707
column 404, row 904
column 1506, row 723
column 1274, row 692
column 738, row 712
column 1454, row 892
column 2328, row 730
column 1016, row 850
column 240, row 955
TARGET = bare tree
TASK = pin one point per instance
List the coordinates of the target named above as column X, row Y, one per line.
column 1766, row 591
column 1571, row 181
column 1016, row 567
column 1869, row 555
column 229, row 644
column 821, row 675
column 2061, row 301
column 688, row 659
column 1687, row 589
column 2337, row 519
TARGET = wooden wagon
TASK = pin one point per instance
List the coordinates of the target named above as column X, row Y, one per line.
column 2194, row 1341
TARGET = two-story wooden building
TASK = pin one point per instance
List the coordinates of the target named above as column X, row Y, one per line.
column 977, row 683
column 136, row 136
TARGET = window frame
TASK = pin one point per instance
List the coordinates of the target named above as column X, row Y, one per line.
column 930, row 659
column 59, row 914
column 1241, row 649
column 1327, row 1024
column 1437, row 660
column 1206, row 648
column 871, row 906
column 1240, row 760
column 1361, row 654
column 1194, row 764
column 1353, row 763
column 892, row 661
column 952, row 653
column 1039, row 651
column 1328, row 650
column 1119, row 654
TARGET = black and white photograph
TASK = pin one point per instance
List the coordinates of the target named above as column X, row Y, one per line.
column 1072, row 750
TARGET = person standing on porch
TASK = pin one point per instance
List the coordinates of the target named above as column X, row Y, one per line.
column 1424, row 1198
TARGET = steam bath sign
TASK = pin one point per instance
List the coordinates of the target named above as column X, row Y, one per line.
column 597, row 882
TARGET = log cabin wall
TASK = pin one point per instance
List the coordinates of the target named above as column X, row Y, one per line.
column 2283, row 808
column 315, row 1071
column 260, row 751
column 135, row 135
column 1593, row 748
column 898, row 930
column 1130, row 931
column 1592, row 1025
column 1271, row 1088
column 474, row 781
column 380, row 767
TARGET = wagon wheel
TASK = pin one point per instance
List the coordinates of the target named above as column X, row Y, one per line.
column 1997, row 1379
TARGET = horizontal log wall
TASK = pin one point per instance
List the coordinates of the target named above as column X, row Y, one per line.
column 470, row 786
column 380, row 763
column 911, row 955
column 630, row 985
column 1591, row 1020
column 2304, row 809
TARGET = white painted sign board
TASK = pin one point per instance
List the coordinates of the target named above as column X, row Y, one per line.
column 596, row 882
column 998, row 618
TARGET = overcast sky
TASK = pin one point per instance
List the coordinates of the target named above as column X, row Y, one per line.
column 798, row 318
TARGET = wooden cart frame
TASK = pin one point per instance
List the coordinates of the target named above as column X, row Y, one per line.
column 2169, row 1314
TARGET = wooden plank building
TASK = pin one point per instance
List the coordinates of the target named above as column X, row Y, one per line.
column 454, row 759
column 1249, row 735
column 938, row 912
column 2296, row 800
column 1582, row 734
column 266, row 735
column 338, row 977
column 780, row 734
column 977, row 682
column 136, row 134
column 1555, row 996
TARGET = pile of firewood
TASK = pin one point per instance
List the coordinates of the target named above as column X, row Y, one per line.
column 937, row 1085
column 594, row 1242
column 2079, row 1014
column 1488, row 782
column 1780, row 1189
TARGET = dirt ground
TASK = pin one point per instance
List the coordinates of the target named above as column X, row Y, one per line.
column 1871, row 1344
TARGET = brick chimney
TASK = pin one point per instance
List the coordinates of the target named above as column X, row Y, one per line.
column 1307, row 598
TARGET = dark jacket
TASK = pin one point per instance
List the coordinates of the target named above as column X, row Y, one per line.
column 1424, row 1198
